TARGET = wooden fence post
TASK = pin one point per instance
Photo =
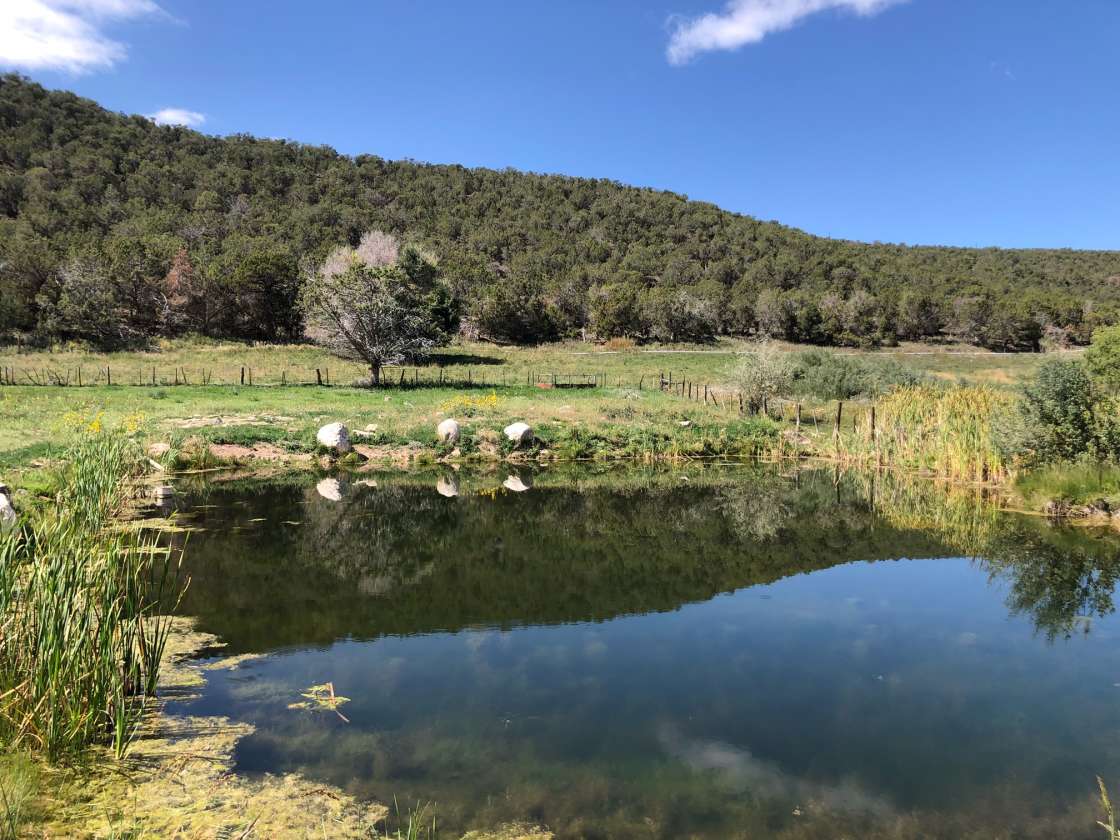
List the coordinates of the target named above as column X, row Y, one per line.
column 242, row 374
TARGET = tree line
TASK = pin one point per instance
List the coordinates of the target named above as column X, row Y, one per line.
column 114, row 230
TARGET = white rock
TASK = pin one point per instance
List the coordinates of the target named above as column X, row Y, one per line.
column 447, row 431
column 519, row 433
column 335, row 436
column 516, row 484
column 448, row 486
column 8, row 515
column 330, row 489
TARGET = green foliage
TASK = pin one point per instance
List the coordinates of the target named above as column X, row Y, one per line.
column 19, row 784
column 1081, row 483
column 204, row 234
column 1062, row 416
column 80, row 640
column 825, row 375
column 514, row 311
column 1103, row 357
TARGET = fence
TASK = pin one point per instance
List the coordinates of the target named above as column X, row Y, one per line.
column 851, row 416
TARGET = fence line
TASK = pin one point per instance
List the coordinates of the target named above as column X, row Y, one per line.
column 852, row 416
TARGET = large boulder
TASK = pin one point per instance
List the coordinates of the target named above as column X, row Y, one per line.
column 336, row 437
column 447, row 431
column 520, row 434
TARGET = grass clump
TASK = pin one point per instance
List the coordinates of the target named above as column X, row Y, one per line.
column 80, row 640
column 19, row 785
column 1081, row 483
column 947, row 431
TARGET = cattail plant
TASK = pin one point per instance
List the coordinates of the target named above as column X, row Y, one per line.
column 81, row 636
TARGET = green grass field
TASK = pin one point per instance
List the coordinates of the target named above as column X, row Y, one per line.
column 487, row 363
column 283, row 404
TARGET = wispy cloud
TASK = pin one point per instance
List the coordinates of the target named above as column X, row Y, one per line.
column 64, row 34
column 749, row 21
column 177, row 116
column 1001, row 69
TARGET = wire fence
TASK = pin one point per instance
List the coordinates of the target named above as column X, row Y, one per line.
column 836, row 417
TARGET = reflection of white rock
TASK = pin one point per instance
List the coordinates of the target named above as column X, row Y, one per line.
column 335, row 436
column 448, row 485
column 447, row 431
column 366, row 482
column 516, row 484
column 162, row 494
column 330, row 489
column 519, row 433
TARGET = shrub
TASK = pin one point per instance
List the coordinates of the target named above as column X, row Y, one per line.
column 1062, row 416
column 763, row 374
column 835, row 376
column 1103, row 357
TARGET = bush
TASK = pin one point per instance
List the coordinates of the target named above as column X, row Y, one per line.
column 1103, row 357
column 835, row 376
column 763, row 374
column 1062, row 416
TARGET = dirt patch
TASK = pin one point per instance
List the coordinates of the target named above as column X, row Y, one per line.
column 397, row 456
column 257, row 452
column 226, row 420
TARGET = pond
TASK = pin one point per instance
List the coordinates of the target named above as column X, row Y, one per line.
column 704, row 652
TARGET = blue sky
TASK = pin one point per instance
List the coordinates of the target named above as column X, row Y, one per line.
column 967, row 122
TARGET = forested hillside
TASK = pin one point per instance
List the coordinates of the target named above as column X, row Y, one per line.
column 114, row 230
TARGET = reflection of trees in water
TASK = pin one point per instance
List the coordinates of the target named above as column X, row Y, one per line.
column 1062, row 579
column 401, row 558
column 758, row 511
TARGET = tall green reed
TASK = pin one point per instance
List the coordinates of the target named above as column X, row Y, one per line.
column 81, row 636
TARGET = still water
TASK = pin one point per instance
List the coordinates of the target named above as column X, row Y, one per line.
column 721, row 652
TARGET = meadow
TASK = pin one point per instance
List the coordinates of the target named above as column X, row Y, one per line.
column 279, row 395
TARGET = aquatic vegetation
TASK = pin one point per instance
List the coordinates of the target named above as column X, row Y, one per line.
column 415, row 825
column 947, row 431
column 80, row 640
column 1110, row 826
column 321, row 698
column 19, row 781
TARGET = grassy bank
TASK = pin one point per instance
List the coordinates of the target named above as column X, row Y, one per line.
column 211, row 416
column 80, row 641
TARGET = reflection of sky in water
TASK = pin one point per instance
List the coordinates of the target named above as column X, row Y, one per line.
column 869, row 688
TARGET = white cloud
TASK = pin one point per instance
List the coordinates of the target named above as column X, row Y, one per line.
column 749, row 21
column 64, row 34
column 177, row 116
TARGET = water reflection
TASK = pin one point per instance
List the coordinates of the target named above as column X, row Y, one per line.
column 671, row 654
